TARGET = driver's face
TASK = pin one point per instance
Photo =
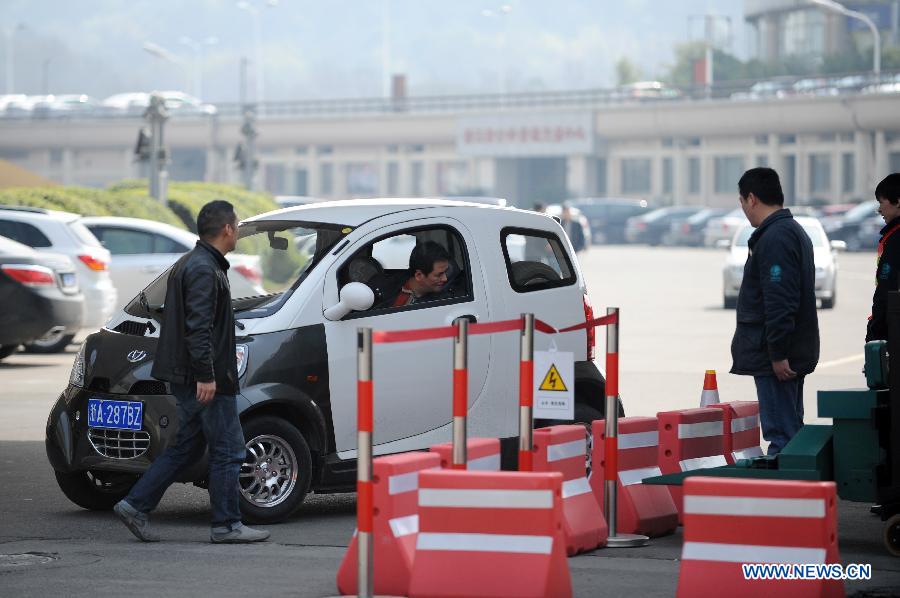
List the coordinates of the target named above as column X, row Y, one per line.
column 436, row 279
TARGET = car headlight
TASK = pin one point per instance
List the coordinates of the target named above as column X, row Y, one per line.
column 76, row 377
column 241, row 352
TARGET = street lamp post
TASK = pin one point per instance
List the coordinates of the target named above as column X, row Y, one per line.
column 197, row 50
column 256, row 14
column 10, row 35
column 160, row 52
column 853, row 14
column 501, row 11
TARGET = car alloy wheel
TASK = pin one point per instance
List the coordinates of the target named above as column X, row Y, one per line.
column 270, row 472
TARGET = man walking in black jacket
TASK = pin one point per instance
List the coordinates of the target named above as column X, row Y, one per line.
column 196, row 355
column 777, row 336
column 886, row 275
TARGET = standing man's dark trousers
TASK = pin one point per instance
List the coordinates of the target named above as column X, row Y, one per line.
column 780, row 409
column 216, row 422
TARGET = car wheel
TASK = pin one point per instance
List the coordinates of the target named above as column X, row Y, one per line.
column 533, row 273
column 95, row 490
column 829, row 303
column 276, row 476
column 729, row 302
column 7, row 350
column 52, row 343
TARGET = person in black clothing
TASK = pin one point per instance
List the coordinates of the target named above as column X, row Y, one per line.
column 196, row 355
column 777, row 335
column 573, row 228
column 888, row 195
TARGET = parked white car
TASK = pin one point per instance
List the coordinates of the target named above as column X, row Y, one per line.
column 143, row 249
column 825, row 256
column 65, row 233
column 724, row 227
column 297, row 353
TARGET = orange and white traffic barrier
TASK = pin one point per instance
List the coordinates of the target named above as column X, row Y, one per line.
column 710, row 394
column 689, row 439
column 483, row 454
column 741, row 427
column 730, row 522
column 490, row 535
column 395, row 526
column 564, row 449
column 642, row 508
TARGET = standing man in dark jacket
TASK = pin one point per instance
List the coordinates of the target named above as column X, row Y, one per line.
column 777, row 336
column 196, row 354
column 886, row 274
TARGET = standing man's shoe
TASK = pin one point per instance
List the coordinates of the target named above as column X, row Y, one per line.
column 134, row 520
column 239, row 534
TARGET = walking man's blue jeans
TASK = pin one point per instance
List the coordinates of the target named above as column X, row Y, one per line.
column 214, row 424
column 780, row 409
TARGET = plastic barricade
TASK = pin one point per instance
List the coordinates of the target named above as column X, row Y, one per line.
column 490, row 535
column 741, row 427
column 564, row 449
column 731, row 522
column 689, row 439
column 482, row 454
column 642, row 508
column 396, row 523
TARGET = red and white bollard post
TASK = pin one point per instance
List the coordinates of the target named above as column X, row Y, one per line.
column 364, row 487
column 611, row 466
column 526, row 394
column 460, row 394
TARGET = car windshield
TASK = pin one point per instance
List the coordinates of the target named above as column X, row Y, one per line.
column 816, row 235
column 288, row 252
column 861, row 211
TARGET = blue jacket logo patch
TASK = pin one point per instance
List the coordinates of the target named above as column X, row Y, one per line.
column 775, row 273
column 885, row 271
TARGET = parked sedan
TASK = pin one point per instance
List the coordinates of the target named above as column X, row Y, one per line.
column 39, row 294
column 825, row 256
column 846, row 227
column 607, row 216
column 653, row 228
column 143, row 249
column 723, row 227
column 690, row 231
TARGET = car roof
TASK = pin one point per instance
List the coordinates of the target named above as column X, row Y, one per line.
column 140, row 224
column 354, row 212
column 23, row 210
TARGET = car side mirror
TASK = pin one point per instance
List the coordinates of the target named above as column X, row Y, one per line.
column 723, row 244
column 838, row 245
column 355, row 296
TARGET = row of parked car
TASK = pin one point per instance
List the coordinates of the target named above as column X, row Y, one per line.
column 80, row 105
column 61, row 273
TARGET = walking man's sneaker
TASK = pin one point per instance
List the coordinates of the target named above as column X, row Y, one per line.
column 239, row 534
column 134, row 520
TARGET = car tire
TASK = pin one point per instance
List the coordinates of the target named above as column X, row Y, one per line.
column 729, row 302
column 532, row 273
column 95, row 491
column 272, row 441
column 52, row 344
column 829, row 303
column 7, row 350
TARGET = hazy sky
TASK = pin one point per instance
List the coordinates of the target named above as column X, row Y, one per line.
column 336, row 48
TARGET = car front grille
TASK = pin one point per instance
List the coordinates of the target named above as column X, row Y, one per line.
column 119, row 444
column 131, row 327
column 148, row 387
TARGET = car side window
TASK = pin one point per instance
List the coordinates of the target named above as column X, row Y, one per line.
column 24, row 233
column 384, row 266
column 163, row 244
column 120, row 241
column 535, row 260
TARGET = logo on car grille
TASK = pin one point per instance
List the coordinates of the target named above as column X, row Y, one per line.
column 136, row 356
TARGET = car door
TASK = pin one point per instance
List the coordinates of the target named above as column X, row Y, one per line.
column 412, row 381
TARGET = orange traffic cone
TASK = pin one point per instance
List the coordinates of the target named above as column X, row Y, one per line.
column 710, row 395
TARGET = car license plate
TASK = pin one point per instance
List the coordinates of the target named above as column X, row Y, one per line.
column 68, row 279
column 117, row 415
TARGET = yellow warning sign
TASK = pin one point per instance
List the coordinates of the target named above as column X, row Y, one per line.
column 553, row 381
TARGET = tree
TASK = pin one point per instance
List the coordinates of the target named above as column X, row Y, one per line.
column 627, row 72
column 725, row 66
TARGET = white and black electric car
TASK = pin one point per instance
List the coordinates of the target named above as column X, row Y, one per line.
column 297, row 352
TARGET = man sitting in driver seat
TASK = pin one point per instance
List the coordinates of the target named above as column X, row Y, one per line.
column 429, row 269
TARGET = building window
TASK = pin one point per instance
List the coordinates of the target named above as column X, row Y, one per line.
column 820, row 173
column 56, row 155
column 848, row 166
column 894, row 159
column 275, row 179
column 694, row 175
column 728, row 172
column 301, row 182
column 602, row 181
column 787, row 139
column 362, row 178
column 418, row 179
column 827, row 137
column 846, row 137
column 667, row 175
column 761, row 139
column 636, row 175
column 393, row 179
column 668, row 142
column 789, row 177
column 324, row 150
column 762, row 160
column 300, row 150
column 451, row 177
column 326, row 182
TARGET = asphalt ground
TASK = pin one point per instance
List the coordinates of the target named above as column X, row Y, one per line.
column 673, row 328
